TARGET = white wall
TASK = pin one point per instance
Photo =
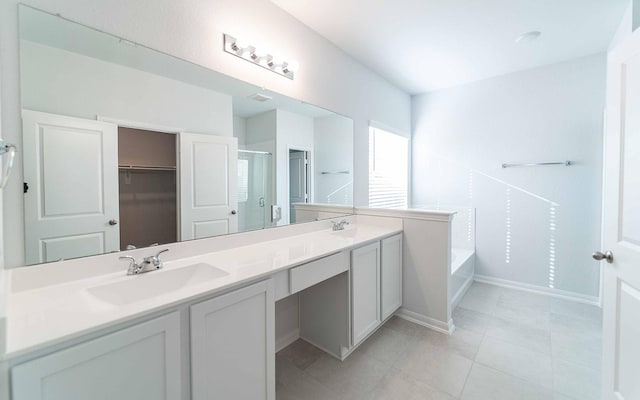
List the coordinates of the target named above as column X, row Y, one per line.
column 333, row 151
column 260, row 132
column 295, row 132
column 626, row 26
column 240, row 130
column 83, row 87
column 554, row 113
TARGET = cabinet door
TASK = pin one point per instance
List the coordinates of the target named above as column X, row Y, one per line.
column 365, row 291
column 233, row 345
column 391, row 275
column 138, row 363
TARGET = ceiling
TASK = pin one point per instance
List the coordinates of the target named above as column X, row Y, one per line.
column 425, row 45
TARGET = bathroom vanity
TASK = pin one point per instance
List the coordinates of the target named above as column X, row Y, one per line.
column 203, row 327
column 208, row 324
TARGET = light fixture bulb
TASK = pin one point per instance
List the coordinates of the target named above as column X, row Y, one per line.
column 259, row 55
column 243, row 44
column 268, row 58
column 276, row 61
column 292, row 66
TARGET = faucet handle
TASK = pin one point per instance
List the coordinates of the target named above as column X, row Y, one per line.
column 131, row 259
column 156, row 259
column 160, row 252
column 133, row 264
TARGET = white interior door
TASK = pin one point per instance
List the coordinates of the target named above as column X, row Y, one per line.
column 208, row 185
column 71, row 206
column 298, row 185
column 621, row 333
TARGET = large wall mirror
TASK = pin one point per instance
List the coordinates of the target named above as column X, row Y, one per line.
column 126, row 147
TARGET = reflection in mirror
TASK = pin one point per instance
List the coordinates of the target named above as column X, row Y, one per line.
column 126, row 147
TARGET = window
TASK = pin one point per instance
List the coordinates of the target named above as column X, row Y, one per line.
column 388, row 169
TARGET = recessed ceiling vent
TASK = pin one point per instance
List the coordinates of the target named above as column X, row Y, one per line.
column 259, row 97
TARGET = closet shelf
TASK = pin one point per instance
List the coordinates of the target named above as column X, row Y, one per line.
column 144, row 168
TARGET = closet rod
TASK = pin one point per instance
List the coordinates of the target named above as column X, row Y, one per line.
column 144, row 168
column 253, row 152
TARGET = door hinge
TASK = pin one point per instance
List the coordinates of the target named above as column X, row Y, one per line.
column 25, row 187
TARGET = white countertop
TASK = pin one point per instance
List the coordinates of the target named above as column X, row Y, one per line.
column 52, row 314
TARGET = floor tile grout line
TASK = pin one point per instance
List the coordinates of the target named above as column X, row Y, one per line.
column 484, row 336
column 473, row 363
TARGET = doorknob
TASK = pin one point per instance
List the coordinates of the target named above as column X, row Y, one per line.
column 113, row 222
column 607, row 255
column 233, row 212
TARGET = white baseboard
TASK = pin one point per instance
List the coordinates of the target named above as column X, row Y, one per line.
column 287, row 339
column 427, row 322
column 463, row 290
column 560, row 294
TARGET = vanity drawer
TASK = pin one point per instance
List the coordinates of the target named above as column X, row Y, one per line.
column 317, row 271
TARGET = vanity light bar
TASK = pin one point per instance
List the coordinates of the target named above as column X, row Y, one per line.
column 249, row 53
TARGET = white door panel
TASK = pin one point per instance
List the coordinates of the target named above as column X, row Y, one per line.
column 72, row 246
column 365, row 291
column 210, row 228
column 233, row 345
column 621, row 330
column 298, row 177
column 136, row 363
column 390, row 275
column 71, row 167
column 208, row 187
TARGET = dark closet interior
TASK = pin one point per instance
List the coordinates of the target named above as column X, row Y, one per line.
column 147, row 184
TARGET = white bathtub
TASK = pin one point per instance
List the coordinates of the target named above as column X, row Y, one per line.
column 462, row 270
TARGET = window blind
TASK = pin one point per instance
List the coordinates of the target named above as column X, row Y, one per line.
column 388, row 169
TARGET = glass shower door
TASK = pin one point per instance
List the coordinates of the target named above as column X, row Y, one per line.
column 254, row 189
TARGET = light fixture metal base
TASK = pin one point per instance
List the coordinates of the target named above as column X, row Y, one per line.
column 249, row 54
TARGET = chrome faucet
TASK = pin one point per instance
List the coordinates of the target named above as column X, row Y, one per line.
column 339, row 226
column 136, row 269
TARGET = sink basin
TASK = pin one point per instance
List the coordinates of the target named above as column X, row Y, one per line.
column 155, row 283
column 347, row 233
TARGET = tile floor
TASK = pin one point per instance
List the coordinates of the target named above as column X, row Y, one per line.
column 508, row 345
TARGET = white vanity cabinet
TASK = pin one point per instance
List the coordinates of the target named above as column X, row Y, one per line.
column 233, row 345
column 391, row 275
column 232, row 351
column 365, row 291
column 338, row 312
column 376, row 285
column 137, row 363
